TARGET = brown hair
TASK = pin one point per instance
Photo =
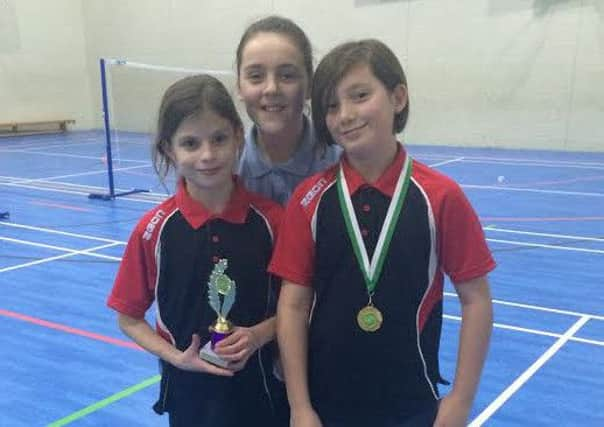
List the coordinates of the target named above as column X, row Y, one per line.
column 188, row 97
column 339, row 61
column 279, row 25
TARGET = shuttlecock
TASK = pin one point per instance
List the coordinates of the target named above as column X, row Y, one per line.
column 500, row 179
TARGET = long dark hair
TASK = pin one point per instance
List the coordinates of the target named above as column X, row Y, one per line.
column 188, row 97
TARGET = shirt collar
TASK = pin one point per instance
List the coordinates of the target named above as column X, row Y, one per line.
column 299, row 164
column 385, row 184
column 197, row 215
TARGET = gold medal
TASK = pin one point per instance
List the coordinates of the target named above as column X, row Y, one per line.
column 370, row 318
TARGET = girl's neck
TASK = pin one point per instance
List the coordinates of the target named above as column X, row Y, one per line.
column 372, row 164
column 280, row 147
column 215, row 200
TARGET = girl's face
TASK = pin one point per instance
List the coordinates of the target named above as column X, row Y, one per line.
column 273, row 82
column 360, row 115
column 204, row 150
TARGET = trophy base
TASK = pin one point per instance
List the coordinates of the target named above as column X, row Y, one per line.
column 207, row 354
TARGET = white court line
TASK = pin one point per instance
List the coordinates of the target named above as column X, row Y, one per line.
column 533, row 331
column 532, row 190
column 67, row 144
column 89, row 252
column 85, row 193
column 62, row 233
column 536, row 307
column 537, row 163
column 71, row 253
column 97, row 172
column 540, row 245
column 516, row 161
column 444, row 162
column 532, row 233
column 75, row 156
column 526, row 375
column 60, row 248
column 448, row 294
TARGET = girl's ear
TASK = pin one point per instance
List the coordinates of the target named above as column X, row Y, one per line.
column 399, row 97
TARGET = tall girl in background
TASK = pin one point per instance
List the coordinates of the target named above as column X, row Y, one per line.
column 172, row 252
column 275, row 69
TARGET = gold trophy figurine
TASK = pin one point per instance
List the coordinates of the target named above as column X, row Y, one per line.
column 219, row 285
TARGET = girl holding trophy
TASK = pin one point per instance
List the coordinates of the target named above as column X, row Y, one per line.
column 190, row 255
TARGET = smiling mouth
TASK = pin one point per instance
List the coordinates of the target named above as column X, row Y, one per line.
column 273, row 108
column 352, row 131
column 212, row 171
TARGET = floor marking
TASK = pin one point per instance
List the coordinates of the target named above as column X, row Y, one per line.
column 60, row 206
column 73, row 175
column 555, row 247
column 542, row 219
column 75, row 156
column 101, row 404
column 557, row 236
column 515, row 161
column 70, row 254
column 533, row 331
column 445, row 162
column 69, row 329
column 537, row 308
column 62, row 233
column 564, row 181
column 159, row 197
column 532, row 190
column 526, row 375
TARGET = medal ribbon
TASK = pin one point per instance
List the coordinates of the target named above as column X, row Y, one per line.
column 372, row 269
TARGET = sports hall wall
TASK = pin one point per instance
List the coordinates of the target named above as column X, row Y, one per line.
column 506, row 73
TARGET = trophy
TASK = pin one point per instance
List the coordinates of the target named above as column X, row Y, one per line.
column 221, row 296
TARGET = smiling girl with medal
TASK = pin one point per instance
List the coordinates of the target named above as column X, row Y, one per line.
column 201, row 256
column 363, row 251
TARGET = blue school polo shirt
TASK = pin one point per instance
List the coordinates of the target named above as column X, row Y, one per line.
column 277, row 181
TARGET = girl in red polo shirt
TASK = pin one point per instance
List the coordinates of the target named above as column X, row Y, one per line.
column 211, row 231
column 363, row 251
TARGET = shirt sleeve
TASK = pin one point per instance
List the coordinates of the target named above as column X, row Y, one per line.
column 132, row 292
column 293, row 257
column 462, row 245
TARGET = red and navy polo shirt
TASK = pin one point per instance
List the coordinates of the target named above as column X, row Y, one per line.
column 172, row 252
column 393, row 369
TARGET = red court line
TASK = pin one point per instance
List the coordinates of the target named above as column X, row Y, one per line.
column 541, row 219
column 69, row 330
column 61, row 206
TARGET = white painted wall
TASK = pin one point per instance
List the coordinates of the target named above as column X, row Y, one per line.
column 43, row 73
column 512, row 73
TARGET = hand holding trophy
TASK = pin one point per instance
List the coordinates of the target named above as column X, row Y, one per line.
column 219, row 285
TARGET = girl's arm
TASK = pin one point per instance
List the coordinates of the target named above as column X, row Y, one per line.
column 476, row 326
column 239, row 346
column 293, row 310
column 141, row 333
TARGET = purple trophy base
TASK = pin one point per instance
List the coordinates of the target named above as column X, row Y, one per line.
column 217, row 337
